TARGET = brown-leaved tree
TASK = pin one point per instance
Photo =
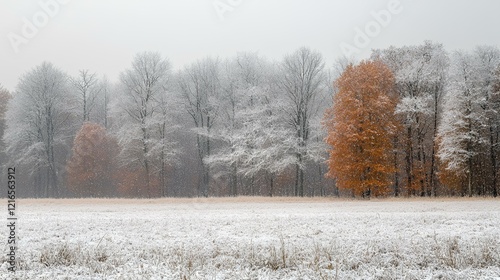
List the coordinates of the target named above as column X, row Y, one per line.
column 361, row 126
column 91, row 167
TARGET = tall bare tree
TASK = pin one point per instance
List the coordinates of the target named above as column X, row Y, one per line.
column 200, row 87
column 136, row 110
column 88, row 89
column 39, row 126
column 302, row 82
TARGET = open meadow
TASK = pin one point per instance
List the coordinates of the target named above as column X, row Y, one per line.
column 256, row 238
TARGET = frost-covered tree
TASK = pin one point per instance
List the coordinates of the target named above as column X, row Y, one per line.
column 240, row 76
column 302, row 83
column 489, row 66
column 462, row 118
column 469, row 131
column 264, row 144
column 4, row 101
column 164, row 151
column 420, row 73
column 257, row 141
column 39, row 126
column 199, row 87
column 231, row 105
column 139, row 115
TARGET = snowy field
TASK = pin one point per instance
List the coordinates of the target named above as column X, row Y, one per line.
column 257, row 238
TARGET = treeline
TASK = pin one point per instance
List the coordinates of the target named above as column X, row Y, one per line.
column 236, row 126
column 249, row 126
column 417, row 121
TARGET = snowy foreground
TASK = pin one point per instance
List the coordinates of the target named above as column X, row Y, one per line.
column 257, row 238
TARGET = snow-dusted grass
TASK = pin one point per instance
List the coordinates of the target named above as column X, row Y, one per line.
column 257, row 238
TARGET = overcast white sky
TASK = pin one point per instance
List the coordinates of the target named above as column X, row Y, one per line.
column 104, row 35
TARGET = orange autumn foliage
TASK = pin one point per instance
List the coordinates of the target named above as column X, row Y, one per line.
column 454, row 182
column 132, row 183
column 361, row 127
column 91, row 171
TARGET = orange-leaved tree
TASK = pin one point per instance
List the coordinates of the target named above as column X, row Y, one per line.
column 91, row 169
column 361, row 127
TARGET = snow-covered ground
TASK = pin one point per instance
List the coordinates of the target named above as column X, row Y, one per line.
column 257, row 238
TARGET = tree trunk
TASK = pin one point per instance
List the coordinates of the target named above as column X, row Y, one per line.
column 234, row 180
column 271, row 187
column 145, row 160
column 469, row 178
column 409, row 161
column 396, row 176
column 433, row 180
column 321, row 187
column 106, row 101
column 207, row 168
column 296, row 188
column 163, row 175
column 52, row 173
column 85, row 117
column 301, row 184
column 493, row 161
